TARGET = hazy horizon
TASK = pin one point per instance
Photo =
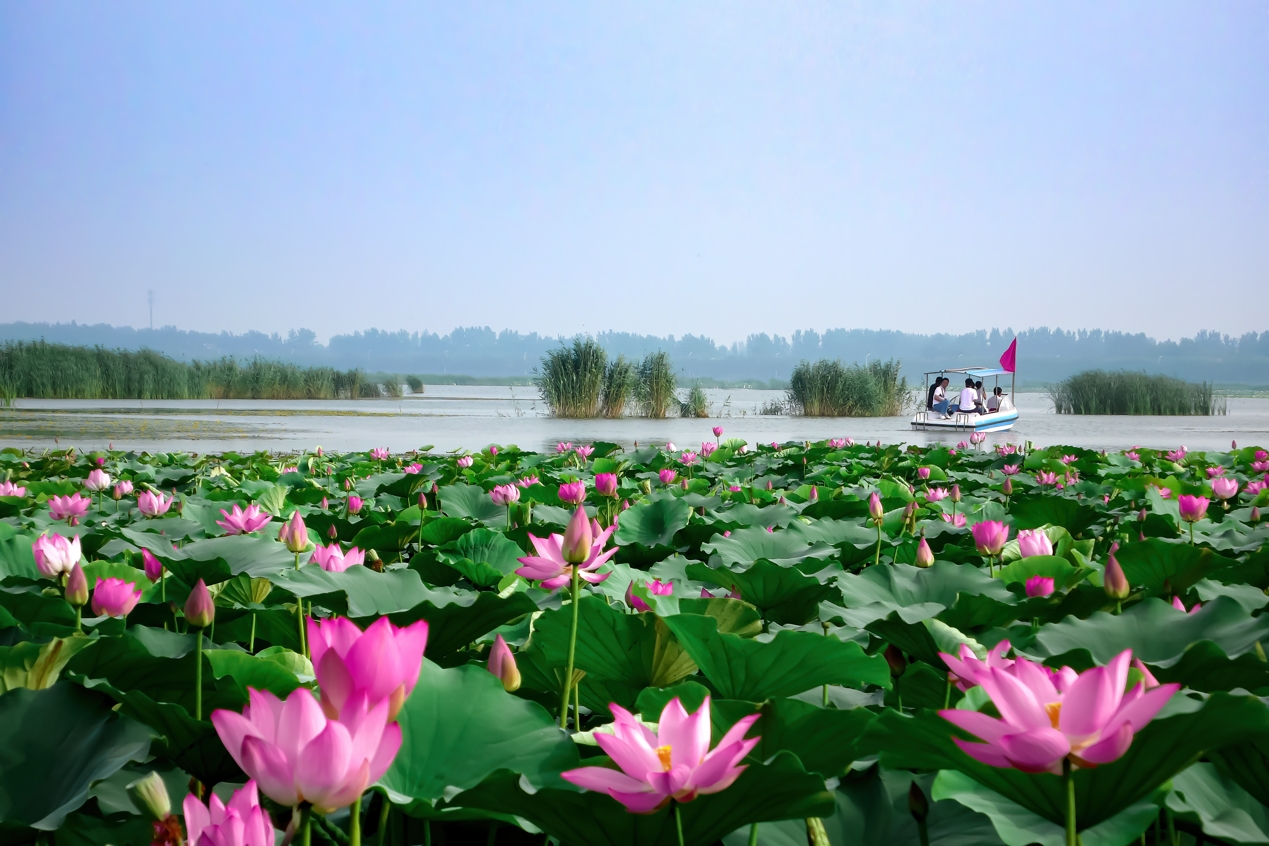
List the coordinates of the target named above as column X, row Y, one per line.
column 723, row 169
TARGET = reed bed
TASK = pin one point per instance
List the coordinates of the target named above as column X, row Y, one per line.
column 828, row 388
column 572, row 379
column 657, row 384
column 1130, row 393
column 696, row 404
column 620, row 381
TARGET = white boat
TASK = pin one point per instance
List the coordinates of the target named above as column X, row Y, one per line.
column 959, row 421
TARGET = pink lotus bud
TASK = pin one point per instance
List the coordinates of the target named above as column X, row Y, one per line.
column 294, row 533
column 199, row 608
column 1040, row 586
column 493, row 451
column 718, row 431
column 422, row 501
column 77, row 586
column 815, row 493
column 667, row 476
column 1255, row 514
column 1192, row 508
column 97, row 481
column 503, row 665
column 576, row 544
column 115, row 598
column 1225, row 488
column 1114, row 581
column 956, row 493
column 989, row 536
column 1032, row 542
column 1141, row 515
column 924, row 555
column 465, row 462
column 153, row 566
column 348, row 483
column 354, row 504
column 1177, row 603
column 923, row 473
column 574, row 493
column 55, row 555
column 1007, row 487
column 875, row 509
column 325, row 504
column 332, row 532
column 504, row 494
column 606, row 484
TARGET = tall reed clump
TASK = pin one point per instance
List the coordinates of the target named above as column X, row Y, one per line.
column 572, row 379
column 1126, row 392
column 619, row 386
column 415, row 383
column 831, row 389
column 656, row 385
column 696, row 404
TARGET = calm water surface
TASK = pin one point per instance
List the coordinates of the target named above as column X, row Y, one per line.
column 470, row 417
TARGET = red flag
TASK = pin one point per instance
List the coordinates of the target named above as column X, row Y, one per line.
column 1010, row 358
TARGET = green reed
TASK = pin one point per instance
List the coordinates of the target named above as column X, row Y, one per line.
column 828, row 388
column 1131, row 393
column 572, row 379
column 620, row 381
column 656, row 385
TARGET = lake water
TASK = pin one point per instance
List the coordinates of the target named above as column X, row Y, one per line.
column 470, row 417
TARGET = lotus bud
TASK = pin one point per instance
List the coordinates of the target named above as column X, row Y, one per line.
column 294, row 533
column 1113, row 580
column 1141, row 516
column 1007, row 490
column 918, row 805
column 332, row 532
column 625, row 505
column 815, row 493
column 1040, row 586
column 718, row 431
column 1255, row 514
column 770, row 485
column 153, row 566
column 503, row 665
column 325, row 504
column 894, row 657
column 422, row 501
column 606, row 484
column 577, row 538
column 1192, row 508
column 77, row 586
column 875, row 510
column 956, row 493
column 348, row 483
column 923, row 473
column 683, row 484
column 924, row 555
column 151, row 793
column 199, row 608
column 354, row 504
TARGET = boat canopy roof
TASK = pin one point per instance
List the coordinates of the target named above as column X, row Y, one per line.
column 976, row 372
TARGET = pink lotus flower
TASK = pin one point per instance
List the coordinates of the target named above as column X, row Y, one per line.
column 293, row 533
column 381, row 664
column 1132, row 455
column 528, row 482
column 240, row 522
column 1254, row 487
column 1114, row 581
column 989, row 536
column 667, row 476
column 574, row 493
column 1043, row 719
column 585, row 451
column 707, row 448
column 503, row 665
column 413, row 469
column 1011, row 469
column 68, row 508
column 1180, row 606
column 1006, row 449
column 734, row 488
column 606, row 484
column 354, row 504
column 967, row 670
column 240, row 823
column 1261, row 455
column 97, row 481
column 10, row 489
column 675, row 763
column 563, row 446
column 924, row 555
column 122, row 489
column 153, row 505
column 332, row 559
column 670, row 447
column 1164, row 493
column 200, row 608
column 1044, row 477
column 153, row 566
column 1192, row 508
column 493, row 452
column 961, row 445
column 504, row 494
column 688, row 458
column 875, row 509
column 957, row 520
column 1034, row 542
column 656, row 587
column 1040, row 586
column 55, row 555
column 465, row 461
column 935, row 494
column 297, row 754
column 1258, row 466
column 379, row 453
column 1070, row 459
column 718, row 431
column 923, row 473
column 1225, row 488
column 1177, row 455
column 552, row 567
column 115, row 597
column 1213, row 472
column 836, row 443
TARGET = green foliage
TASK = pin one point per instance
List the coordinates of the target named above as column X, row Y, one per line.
column 828, row 388
column 572, row 379
column 656, row 385
column 1127, row 392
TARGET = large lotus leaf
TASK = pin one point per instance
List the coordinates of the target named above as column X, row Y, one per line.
column 459, row 725
column 779, row 789
column 792, row 662
column 1034, row 512
column 1016, row 826
column 746, row 546
column 824, row 739
column 216, row 560
column 748, row 514
column 653, row 523
column 441, row 530
column 1250, row 597
column 16, row 558
column 611, row 646
column 1063, row 572
column 924, row 639
column 54, row 744
column 1167, row 566
column 782, row 594
column 388, row 539
column 483, row 556
column 118, row 829
column 1246, row 763
column 262, row 673
column 473, row 503
column 359, row 590
column 43, row 615
column 1156, row 633
column 457, row 618
column 193, row 745
column 1184, row 730
column 1202, row 795
column 834, row 532
column 36, row 666
column 913, row 593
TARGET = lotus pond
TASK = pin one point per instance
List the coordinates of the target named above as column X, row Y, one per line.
column 805, row 642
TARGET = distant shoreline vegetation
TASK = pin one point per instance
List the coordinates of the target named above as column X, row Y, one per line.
column 1127, row 393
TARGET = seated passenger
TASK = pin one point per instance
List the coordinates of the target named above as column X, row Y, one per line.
column 993, row 402
column 969, row 399
column 1003, row 402
column 940, row 396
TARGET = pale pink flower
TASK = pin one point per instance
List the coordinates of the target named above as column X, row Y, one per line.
column 243, row 522
column 465, row 461
column 413, row 469
column 563, row 446
column 504, row 494
column 688, row 458
column 10, row 489
column 585, row 450
column 935, row 494
column 240, row 823
column 656, row 587
column 55, row 555
column 122, row 489
column 151, row 504
column 1011, row 469
column 115, row 597
column 68, row 508
column 957, row 520
column 97, row 481
column 333, row 559
column 1224, row 488
column 574, row 493
column 379, row 453
column 1043, row 477
column 667, row 476
column 528, row 481
column 551, row 565
column 1180, row 606
column 1033, row 542
column 707, row 448
column 1132, row 455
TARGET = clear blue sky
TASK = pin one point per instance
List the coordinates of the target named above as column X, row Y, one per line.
column 720, row 168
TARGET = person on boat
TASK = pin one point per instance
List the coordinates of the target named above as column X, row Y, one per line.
column 929, row 395
column 999, row 401
column 969, row 399
column 981, row 400
column 939, row 398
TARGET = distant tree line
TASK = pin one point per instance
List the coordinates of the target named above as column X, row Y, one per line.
column 1044, row 355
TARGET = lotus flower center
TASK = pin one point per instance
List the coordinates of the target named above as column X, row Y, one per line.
column 1054, row 710
column 663, row 753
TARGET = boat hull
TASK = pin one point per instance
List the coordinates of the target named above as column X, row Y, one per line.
column 1001, row 421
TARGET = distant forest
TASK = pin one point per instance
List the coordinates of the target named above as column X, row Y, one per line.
column 1044, row 355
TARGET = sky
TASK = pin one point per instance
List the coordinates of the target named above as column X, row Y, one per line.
column 657, row 167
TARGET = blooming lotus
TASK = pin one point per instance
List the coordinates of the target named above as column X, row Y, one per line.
column 836, row 443
column 412, row 469
column 1070, row 459
column 465, row 462
column 504, row 494
column 1192, row 508
column 503, row 665
column 656, row 587
column 379, row 453
column 708, row 448
column 1224, row 488
column 935, row 494
column 1033, row 542
column 574, row 493
column 243, row 522
column 957, row 520
column 1176, row 455
column 122, row 489
column 688, row 458
column 153, row 505
column 115, row 597
column 68, row 508
column 380, row 664
column 989, row 536
column 585, row 451
column 153, row 566
column 667, row 476
column 1132, row 455
column 1044, row 477
column 97, row 481
column 1258, row 466
column 240, row 823
column 528, row 482
column 563, row 446
column 966, row 668
column 1011, row 469
column 923, row 473
column 1046, row 718
column 552, row 567
column 55, row 555
column 1040, row 586
column 1213, row 472
column 675, row 763
column 670, row 447
column 333, row 559
column 354, row 504
column 296, row 753
column 606, row 484
column 10, row 489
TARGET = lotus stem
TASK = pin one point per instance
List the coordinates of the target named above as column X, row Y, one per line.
column 1072, row 839
column 877, row 558
column 306, row 826
column 753, row 835
column 79, row 629
column 572, row 650
column 354, row 823
column 251, row 644
column 383, row 819
column 198, row 674
column 678, row 821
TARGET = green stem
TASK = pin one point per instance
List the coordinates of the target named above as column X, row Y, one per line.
column 1191, row 534
column 251, row 644
column 1072, row 839
column 78, row 613
column 572, row 650
column 383, row 819
column 923, row 832
column 198, row 674
column 947, row 693
column 678, row 821
column 306, row 827
column 493, row 833
column 354, row 823
column 753, row 835
column 877, row 558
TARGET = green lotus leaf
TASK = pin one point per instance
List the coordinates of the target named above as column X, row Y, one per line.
column 653, row 523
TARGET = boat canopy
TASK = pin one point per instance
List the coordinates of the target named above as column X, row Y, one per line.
column 975, row 372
